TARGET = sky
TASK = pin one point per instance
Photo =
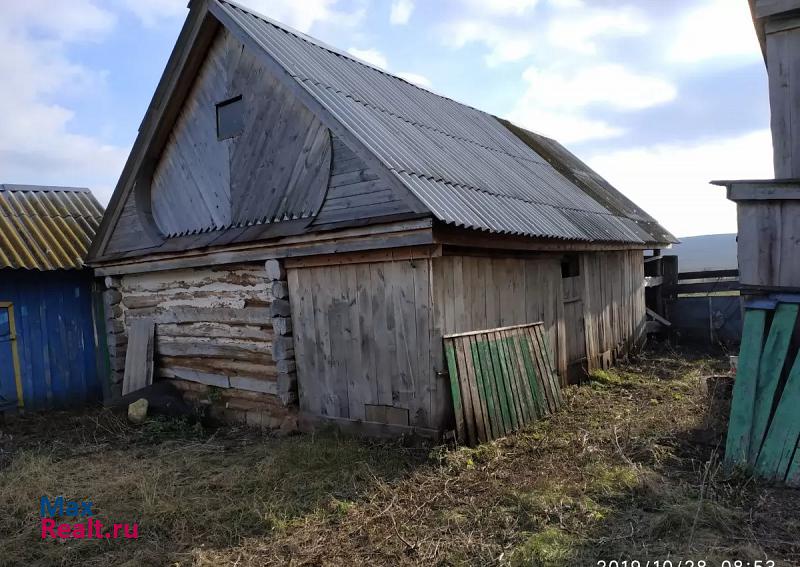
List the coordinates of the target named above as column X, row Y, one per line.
column 658, row 97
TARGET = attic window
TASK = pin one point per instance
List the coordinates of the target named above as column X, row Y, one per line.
column 230, row 118
column 570, row 266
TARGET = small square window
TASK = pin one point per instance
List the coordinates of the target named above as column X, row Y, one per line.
column 570, row 266
column 230, row 118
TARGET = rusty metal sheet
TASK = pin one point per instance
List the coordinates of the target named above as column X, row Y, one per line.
column 46, row 228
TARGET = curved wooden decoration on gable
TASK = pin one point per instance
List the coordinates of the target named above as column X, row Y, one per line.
column 276, row 169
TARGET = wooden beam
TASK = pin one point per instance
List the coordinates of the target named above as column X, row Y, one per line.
column 768, row 8
column 706, row 274
column 369, row 256
column 658, row 317
column 764, row 190
column 409, row 233
column 453, row 236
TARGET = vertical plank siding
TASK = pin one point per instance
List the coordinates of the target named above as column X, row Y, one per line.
column 54, row 336
column 364, row 338
column 614, row 308
column 277, row 168
column 486, row 292
column 283, row 165
column 370, row 334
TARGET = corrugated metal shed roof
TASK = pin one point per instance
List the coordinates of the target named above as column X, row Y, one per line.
column 46, row 228
column 466, row 166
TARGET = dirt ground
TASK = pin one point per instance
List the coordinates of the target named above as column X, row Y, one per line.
column 630, row 469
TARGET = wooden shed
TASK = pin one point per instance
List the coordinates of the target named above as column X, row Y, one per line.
column 303, row 228
column 47, row 333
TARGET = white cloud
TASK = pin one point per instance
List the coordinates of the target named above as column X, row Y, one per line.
column 401, row 11
column 671, row 181
column 607, row 83
column 301, row 15
column 152, row 12
column 718, row 29
column 579, row 30
column 505, row 44
column 37, row 141
column 371, row 56
column 502, row 7
column 555, row 101
column 417, row 79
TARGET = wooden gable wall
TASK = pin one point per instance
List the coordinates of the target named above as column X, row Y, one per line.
column 284, row 165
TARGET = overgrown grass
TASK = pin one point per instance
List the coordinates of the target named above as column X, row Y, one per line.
column 629, row 469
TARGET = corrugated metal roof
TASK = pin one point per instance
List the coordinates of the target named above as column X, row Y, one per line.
column 465, row 165
column 46, row 228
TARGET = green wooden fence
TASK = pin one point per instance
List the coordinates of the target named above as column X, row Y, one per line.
column 501, row 380
column 764, row 426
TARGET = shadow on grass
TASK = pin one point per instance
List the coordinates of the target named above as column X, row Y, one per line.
column 186, row 488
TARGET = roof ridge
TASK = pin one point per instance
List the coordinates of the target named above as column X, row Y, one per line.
column 26, row 188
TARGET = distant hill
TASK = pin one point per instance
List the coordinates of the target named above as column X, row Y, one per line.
column 707, row 252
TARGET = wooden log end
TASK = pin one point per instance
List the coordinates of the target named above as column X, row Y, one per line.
column 282, row 325
column 280, row 289
column 275, row 270
column 280, row 308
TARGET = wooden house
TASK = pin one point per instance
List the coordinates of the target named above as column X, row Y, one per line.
column 303, row 228
column 769, row 210
column 47, row 333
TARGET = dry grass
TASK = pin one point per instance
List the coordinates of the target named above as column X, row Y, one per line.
column 628, row 470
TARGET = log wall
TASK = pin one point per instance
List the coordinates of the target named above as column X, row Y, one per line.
column 221, row 336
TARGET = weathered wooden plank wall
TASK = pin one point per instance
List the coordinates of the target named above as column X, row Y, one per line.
column 614, row 307
column 363, row 341
column 283, row 165
column 472, row 293
column 769, row 233
column 355, row 191
column 370, row 334
column 511, row 291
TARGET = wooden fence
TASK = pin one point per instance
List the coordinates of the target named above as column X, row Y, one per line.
column 501, row 379
column 702, row 307
column 764, row 426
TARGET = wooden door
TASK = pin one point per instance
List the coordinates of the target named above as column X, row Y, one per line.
column 9, row 367
column 574, row 335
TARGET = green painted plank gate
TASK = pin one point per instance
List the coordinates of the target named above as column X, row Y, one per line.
column 764, row 425
column 501, row 380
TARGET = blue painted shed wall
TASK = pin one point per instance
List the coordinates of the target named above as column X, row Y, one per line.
column 55, row 335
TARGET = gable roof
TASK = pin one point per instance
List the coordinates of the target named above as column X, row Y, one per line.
column 46, row 228
column 462, row 166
